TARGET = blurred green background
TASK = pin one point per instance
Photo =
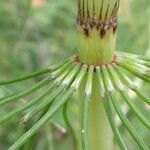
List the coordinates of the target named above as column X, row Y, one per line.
column 37, row 33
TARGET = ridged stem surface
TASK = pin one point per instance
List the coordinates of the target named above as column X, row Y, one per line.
column 100, row 136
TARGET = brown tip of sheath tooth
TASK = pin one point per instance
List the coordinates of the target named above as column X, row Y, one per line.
column 86, row 31
column 102, row 21
column 102, row 33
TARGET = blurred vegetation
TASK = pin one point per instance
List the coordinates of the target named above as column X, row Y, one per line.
column 35, row 34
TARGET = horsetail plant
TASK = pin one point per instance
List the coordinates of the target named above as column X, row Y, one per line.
column 100, row 74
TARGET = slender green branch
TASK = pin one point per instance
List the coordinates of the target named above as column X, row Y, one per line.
column 139, row 61
column 75, row 85
column 137, row 66
column 28, row 145
column 52, row 110
column 125, row 96
column 134, row 71
column 62, row 68
column 137, row 112
column 69, row 126
column 66, row 78
column 117, row 135
column 25, row 107
column 84, row 123
column 42, row 105
column 23, row 94
column 49, row 134
column 127, row 124
column 33, row 75
column 142, row 96
column 129, row 83
column 21, row 130
column 109, row 111
column 85, row 109
column 145, row 58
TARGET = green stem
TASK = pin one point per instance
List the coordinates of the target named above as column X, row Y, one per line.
column 96, row 27
column 100, row 135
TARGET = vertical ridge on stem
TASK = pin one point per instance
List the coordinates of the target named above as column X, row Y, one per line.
column 96, row 26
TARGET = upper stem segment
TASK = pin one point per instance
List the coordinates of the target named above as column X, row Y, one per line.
column 96, row 25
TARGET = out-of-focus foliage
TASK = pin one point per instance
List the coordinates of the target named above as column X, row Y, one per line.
column 35, row 34
column 134, row 26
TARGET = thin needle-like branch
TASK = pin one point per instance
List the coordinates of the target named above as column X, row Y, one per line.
column 25, row 107
column 127, row 99
column 128, row 82
column 84, row 123
column 127, row 124
column 52, row 110
column 85, row 108
column 106, row 101
column 69, row 126
column 33, row 75
column 43, row 105
column 23, row 94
